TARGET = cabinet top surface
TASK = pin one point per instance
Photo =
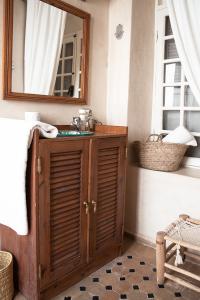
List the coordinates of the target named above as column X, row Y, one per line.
column 96, row 135
column 102, row 131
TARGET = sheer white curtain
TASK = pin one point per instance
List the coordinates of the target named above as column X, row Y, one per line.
column 185, row 21
column 45, row 25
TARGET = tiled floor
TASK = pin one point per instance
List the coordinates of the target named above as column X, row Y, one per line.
column 131, row 276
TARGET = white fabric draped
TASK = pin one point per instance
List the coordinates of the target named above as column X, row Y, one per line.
column 185, row 21
column 16, row 137
column 45, row 25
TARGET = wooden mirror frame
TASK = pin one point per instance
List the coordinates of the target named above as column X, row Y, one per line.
column 7, row 57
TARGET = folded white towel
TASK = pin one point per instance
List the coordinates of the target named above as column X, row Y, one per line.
column 180, row 136
column 16, row 137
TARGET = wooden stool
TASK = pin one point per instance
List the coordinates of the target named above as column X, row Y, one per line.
column 164, row 254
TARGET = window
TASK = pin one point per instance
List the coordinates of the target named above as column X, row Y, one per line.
column 174, row 103
column 68, row 78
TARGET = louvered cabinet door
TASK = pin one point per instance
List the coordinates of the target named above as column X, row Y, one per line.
column 63, row 220
column 107, row 194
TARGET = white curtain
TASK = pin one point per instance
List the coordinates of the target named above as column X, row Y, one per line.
column 185, row 21
column 45, row 25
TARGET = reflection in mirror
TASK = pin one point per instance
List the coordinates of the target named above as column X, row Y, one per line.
column 47, row 50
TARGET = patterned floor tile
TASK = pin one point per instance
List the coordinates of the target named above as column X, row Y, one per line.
column 96, row 289
column 137, row 295
column 131, row 276
column 121, row 287
column 82, row 296
column 111, row 295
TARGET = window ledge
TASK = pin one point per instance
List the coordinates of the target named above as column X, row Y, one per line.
column 189, row 172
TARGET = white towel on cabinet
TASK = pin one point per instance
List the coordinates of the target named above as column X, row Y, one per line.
column 16, row 137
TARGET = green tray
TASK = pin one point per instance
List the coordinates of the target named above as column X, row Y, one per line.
column 63, row 133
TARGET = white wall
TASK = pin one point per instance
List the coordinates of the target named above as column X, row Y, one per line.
column 141, row 69
column 73, row 24
column 62, row 113
column 157, row 198
column 120, row 12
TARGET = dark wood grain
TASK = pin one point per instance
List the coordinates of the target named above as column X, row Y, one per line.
column 111, row 129
column 8, row 94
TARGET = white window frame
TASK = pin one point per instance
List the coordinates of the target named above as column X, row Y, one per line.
column 161, row 11
column 74, row 38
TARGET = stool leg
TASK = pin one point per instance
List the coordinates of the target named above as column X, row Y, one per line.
column 184, row 217
column 160, row 256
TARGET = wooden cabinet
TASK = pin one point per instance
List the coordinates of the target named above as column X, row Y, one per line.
column 76, row 210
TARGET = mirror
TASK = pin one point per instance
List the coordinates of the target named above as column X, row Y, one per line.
column 46, row 51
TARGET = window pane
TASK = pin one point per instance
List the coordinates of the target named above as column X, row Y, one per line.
column 60, row 68
column 172, row 72
column 57, row 94
column 68, row 66
column 189, row 97
column 69, row 49
column 171, row 96
column 58, row 83
column 170, row 49
column 194, row 151
column 168, row 28
column 192, row 120
column 67, row 82
column 171, row 119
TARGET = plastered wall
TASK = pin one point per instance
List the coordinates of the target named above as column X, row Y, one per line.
column 73, row 24
column 141, row 69
column 59, row 113
column 119, row 53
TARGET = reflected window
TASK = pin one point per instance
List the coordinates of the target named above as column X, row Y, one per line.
column 69, row 68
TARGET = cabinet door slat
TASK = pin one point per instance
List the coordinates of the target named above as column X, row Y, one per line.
column 65, row 202
column 63, row 249
column 65, row 194
column 64, row 171
column 67, row 162
column 65, row 211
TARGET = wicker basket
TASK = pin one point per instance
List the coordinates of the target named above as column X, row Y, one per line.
column 159, row 156
column 6, row 276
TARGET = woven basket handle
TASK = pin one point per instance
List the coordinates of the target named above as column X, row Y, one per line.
column 155, row 138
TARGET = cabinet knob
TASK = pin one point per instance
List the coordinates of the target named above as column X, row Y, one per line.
column 94, row 205
column 86, row 207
